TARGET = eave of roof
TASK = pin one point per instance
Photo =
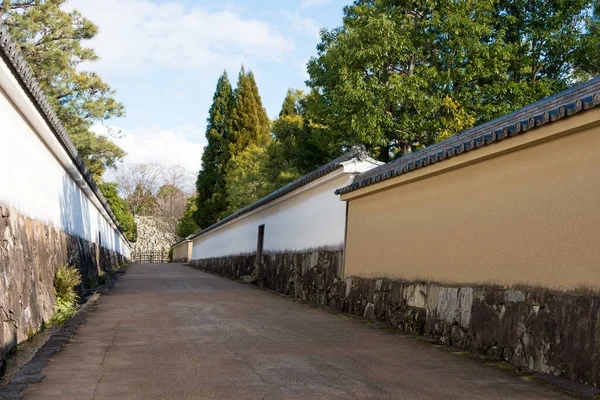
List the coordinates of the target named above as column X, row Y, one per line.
column 15, row 61
column 561, row 105
column 185, row 239
column 358, row 152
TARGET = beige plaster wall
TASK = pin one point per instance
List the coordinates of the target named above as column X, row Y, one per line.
column 183, row 251
column 525, row 217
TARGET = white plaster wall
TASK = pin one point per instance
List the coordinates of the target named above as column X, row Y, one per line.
column 34, row 183
column 312, row 219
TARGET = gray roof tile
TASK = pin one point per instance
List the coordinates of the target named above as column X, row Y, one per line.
column 561, row 105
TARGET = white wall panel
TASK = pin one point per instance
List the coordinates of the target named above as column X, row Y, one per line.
column 312, row 219
column 35, row 184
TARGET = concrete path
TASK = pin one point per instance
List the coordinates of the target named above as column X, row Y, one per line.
column 172, row 332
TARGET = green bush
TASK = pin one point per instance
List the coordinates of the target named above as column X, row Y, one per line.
column 67, row 278
column 94, row 282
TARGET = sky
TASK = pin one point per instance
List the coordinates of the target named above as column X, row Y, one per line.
column 163, row 57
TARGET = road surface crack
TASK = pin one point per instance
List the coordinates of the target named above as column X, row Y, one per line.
column 102, row 364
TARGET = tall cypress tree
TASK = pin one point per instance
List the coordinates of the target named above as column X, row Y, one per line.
column 212, row 200
column 250, row 124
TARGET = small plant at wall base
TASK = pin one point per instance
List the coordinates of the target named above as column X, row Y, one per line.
column 67, row 278
column 94, row 282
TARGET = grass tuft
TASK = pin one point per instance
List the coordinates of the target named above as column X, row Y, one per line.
column 67, row 278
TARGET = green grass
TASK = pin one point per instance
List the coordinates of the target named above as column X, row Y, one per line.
column 67, row 278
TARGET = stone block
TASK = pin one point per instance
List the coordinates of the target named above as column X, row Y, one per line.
column 416, row 295
column 514, row 296
column 454, row 306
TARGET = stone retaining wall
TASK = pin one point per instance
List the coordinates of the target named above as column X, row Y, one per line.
column 30, row 252
column 153, row 236
column 554, row 333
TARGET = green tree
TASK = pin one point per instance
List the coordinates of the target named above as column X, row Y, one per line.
column 304, row 143
column 186, row 224
column 398, row 71
column 211, row 200
column 296, row 148
column 141, row 201
column 245, row 180
column 246, row 139
column 120, row 209
column 97, row 151
column 544, row 38
column 249, row 122
column 170, row 205
column 588, row 53
column 51, row 40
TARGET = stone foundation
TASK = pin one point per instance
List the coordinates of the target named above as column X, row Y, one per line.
column 153, row 236
column 554, row 333
column 30, row 252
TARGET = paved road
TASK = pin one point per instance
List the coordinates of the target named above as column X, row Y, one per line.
column 169, row 331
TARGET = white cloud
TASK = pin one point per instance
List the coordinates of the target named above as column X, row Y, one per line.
column 139, row 35
column 161, row 146
column 303, row 25
column 313, row 3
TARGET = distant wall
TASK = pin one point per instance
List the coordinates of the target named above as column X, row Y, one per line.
column 182, row 252
column 310, row 217
column 153, row 235
column 524, row 214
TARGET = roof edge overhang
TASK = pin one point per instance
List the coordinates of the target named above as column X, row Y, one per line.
column 564, row 127
column 522, row 122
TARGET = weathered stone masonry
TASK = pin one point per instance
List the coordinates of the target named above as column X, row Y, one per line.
column 30, row 252
column 546, row 332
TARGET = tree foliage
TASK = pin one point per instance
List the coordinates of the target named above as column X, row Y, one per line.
column 120, row 209
column 51, row 40
column 170, row 205
column 245, row 180
column 305, row 146
column 588, row 53
column 238, row 128
column 399, row 75
column 187, row 224
column 250, row 124
column 210, row 186
column 398, row 71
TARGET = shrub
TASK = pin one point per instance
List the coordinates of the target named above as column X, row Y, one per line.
column 67, row 278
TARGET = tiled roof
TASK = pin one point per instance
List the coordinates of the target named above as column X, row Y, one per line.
column 9, row 52
column 185, row 239
column 561, row 105
column 358, row 152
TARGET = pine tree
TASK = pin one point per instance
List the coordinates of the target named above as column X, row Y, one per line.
column 250, row 124
column 211, row 201
column 246, row 181
column 52, row 40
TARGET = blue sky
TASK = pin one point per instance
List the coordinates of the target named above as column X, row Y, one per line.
column 163, row 57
